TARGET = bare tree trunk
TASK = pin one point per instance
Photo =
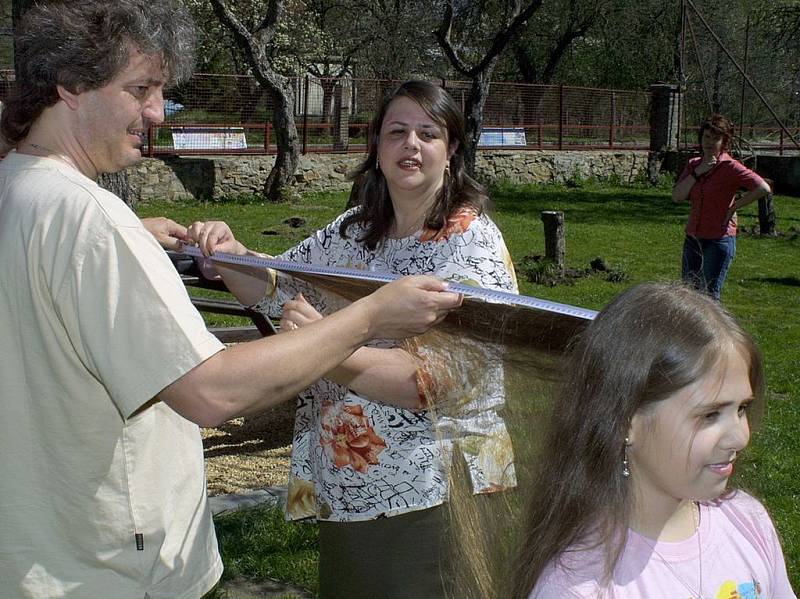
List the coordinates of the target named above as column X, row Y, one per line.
column 480, row 73
column 254, row 45
column 117, row 183
column 479, row 92
column 286, row 138
column 327, row 85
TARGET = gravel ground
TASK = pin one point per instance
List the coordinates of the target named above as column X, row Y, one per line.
column 249, row 453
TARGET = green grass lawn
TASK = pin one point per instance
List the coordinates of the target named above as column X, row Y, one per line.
column 635, row 229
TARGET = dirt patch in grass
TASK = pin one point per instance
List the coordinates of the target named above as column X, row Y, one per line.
column 249, row 453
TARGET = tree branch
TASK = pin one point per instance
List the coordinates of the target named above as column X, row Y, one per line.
column 269, row 25
column 502, row 37
column 443, row 37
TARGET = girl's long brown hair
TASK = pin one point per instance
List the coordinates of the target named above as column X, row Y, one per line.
column 648, row 343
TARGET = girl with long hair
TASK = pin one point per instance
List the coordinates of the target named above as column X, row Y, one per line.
column 632, row 499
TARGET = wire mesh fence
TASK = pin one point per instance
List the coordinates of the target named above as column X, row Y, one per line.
column 228, row 114
column 740, row 67
column 231, row 114
column 333, row 115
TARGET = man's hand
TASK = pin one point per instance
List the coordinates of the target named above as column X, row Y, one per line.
column 167, row 232
column 215, row 236
column 408, row 307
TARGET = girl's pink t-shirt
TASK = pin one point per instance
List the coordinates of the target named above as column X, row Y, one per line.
column 735, row 554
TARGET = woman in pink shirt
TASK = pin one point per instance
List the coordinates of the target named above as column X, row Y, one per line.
column 631, row 499
column 710, row 183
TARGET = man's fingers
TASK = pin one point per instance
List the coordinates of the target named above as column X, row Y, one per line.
column 173, row 229
column 426, row 282
column 446, row 300
column 450, row 299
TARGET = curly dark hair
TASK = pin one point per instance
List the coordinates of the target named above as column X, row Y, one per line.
column 718, row 125
column 376, row 212
column 84, row 45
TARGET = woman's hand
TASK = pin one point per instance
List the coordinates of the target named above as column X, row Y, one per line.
column 761, row 190
column 683, row 187
column 729, row 215
column 709, row 162
column 297, row 313
column 386, row 375
column 215, row 236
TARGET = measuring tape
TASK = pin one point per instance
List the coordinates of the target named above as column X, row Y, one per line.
column 468, row 291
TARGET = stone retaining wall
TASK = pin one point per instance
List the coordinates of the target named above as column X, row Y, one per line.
column 211, row 177
column 783, row 171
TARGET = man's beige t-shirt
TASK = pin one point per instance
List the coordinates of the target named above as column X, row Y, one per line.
column 98, row 497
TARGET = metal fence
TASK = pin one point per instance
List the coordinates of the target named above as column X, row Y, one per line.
column 230, row 114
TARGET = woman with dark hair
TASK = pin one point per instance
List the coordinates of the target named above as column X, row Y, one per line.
column 710, row 182
column 368, row 460
column 631, row 500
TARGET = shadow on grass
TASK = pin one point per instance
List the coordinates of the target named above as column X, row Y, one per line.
column 786, row 281
column 270, row 430
column 643, row 206
column 595, row 205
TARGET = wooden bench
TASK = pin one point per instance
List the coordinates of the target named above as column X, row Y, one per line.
column 262, row 326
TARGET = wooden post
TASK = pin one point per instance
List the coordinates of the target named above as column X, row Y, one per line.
column 554, row 244
column 766, row 213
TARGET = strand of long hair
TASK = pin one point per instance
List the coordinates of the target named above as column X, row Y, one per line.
column 579, row 499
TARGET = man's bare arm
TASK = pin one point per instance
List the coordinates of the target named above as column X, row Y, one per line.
column 248, row 378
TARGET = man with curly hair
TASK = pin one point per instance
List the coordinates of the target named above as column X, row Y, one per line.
column 108, row 369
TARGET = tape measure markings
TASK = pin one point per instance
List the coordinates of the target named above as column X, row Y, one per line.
column 479, row 293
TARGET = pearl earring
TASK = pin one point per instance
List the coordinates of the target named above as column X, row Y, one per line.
column 626, row 471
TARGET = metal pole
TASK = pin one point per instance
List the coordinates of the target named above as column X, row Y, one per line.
column 305, row 115
column 561, row 116
column 744, row 82
column 611, row 127
column 745, row 75
column 700, row 64
column 681, row 76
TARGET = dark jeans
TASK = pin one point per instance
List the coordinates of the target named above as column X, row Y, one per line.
column 706, row 262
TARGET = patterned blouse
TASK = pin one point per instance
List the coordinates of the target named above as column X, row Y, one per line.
column 355, row 459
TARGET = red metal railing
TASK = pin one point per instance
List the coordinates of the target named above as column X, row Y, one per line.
column 332, row 115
